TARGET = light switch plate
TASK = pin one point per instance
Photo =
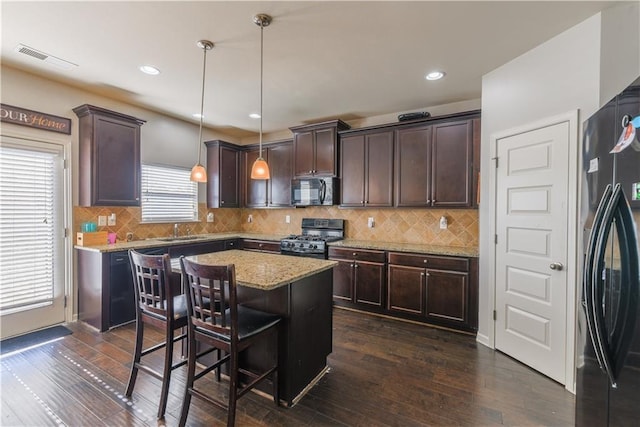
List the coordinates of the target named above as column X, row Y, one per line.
column 111, row 220
column 102, row 221
column 287, row 219
column 210, row 217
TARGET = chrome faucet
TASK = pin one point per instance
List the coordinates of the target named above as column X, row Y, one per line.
column 175, row 230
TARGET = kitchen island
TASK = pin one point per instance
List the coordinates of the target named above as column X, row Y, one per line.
column 298, row 289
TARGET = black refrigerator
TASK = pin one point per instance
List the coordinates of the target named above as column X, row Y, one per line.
column 608, row 340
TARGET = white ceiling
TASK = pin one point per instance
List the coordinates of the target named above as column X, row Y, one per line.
column 323, row 60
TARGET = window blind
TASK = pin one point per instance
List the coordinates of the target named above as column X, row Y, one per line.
column 28, row 217
column 168, row 195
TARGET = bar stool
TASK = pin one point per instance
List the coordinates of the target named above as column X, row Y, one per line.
column 216, row 319
column 157, row 305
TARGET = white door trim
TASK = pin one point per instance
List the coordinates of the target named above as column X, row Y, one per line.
column 15, row 131
column 572, row 232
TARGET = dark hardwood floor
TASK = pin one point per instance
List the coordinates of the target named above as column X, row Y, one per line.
column 382, row 373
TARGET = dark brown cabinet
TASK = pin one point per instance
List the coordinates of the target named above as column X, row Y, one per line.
column 109, row 149
column 359, row 277
column 276, row 191
column 315, row 148
column 261, row 246
column 434, row 288
column 435, row 165
column 223, row 175
column 367, row 169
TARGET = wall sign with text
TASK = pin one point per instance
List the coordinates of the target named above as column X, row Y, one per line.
column 34, row 119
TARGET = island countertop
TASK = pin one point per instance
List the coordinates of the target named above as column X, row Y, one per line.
column 264, row 271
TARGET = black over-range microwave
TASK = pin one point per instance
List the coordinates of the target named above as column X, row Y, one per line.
column 314, row 191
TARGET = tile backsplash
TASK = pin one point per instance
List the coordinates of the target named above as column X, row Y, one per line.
column 394, row 225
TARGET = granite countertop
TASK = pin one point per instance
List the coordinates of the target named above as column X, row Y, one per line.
column 264, row 270
column 160, row 242
column 407, row 247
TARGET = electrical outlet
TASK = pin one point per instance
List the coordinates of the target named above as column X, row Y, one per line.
column 287, row 219
column 370, row 222
column 443, row 223
column 102, row 220
column 250, row 218
column 112, row 219
column 210, row 217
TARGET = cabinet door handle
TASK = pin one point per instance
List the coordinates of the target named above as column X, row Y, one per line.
column 355, row 254
column 222, row 202
column 422, row 274
column 351, row 265
column 260, row 245
column 424, row 261
column 310, row 171
column 355, row 265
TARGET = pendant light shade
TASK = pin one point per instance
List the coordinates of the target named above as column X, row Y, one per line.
column 198, row 172
column 260, row 168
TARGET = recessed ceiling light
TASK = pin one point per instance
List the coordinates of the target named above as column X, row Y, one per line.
column 197, row 115
column 434, row 75
column 148, row 69
column 254, row 115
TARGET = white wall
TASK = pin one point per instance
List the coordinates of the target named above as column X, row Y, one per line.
column 581, row 69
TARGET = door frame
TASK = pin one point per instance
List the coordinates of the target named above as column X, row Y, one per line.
column 573, row 258
column 65, row 141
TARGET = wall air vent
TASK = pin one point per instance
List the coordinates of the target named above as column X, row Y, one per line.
column 49, row 59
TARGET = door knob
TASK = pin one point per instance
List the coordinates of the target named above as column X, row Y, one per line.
column 556, row 266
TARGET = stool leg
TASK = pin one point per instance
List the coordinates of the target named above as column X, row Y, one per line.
column 233, row 388
column 136, row 357
column 191, row 372
column 166, row 373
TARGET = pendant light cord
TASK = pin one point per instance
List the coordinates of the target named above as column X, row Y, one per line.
column 261, row 78
column 204, row 70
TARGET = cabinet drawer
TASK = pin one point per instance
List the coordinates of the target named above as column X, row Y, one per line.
column 261, row 245
column 356, row 254
column 429, row 261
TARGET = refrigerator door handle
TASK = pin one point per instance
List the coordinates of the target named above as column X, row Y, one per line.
column 624, row 327
column 597, row 291
column 589, row 272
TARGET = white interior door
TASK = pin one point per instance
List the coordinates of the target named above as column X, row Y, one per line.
column 32, row 260
column 531, row 247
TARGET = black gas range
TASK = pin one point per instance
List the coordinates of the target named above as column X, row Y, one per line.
column 316, row 233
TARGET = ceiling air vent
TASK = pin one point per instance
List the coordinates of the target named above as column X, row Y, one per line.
column 49, row 59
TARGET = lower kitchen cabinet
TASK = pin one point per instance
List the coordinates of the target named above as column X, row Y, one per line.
column 261, row 246
column 435, row 289
column 106, row 297
column 359, row 277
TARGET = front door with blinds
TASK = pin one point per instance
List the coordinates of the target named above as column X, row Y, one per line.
column 32, row 260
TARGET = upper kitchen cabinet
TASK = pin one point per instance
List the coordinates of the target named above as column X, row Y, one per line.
column 109, row 147
column 276, row 191
column 437, row 164
column 223, row 175
column 315, row 148
column 366, row 169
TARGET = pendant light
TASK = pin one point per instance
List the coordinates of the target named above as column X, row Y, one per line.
column 198, row 173
column 260, row 168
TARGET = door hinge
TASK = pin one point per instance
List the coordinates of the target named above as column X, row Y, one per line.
column 495, row 315
column 65, row 164
column 495, row 239
column 496, row 159
column 65, row 301
column 66, row 232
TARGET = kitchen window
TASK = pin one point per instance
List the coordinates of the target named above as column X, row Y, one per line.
column 168, row 195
